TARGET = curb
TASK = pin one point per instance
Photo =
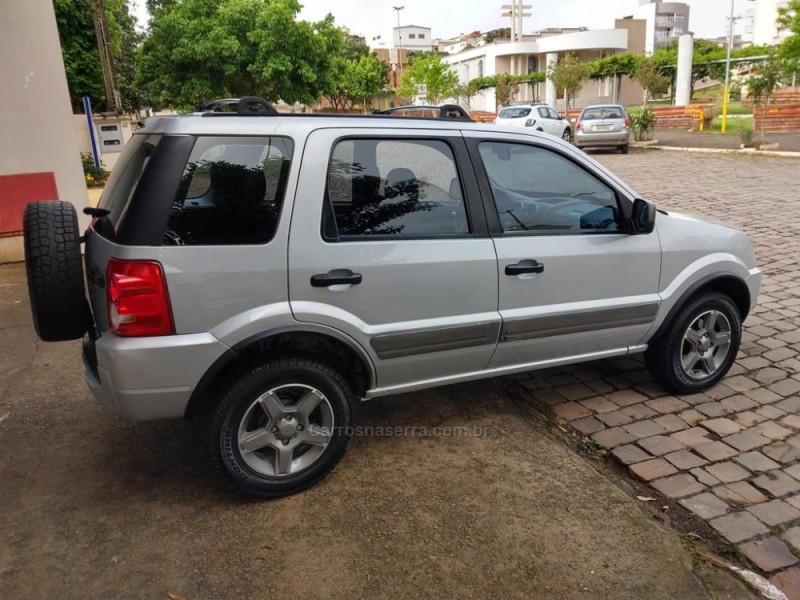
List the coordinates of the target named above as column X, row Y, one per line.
column 744, row 151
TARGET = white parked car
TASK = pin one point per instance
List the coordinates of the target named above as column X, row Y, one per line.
column 536, row 116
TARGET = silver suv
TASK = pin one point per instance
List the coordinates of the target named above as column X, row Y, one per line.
column 262, row 273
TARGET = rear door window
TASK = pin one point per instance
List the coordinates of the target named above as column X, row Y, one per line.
column 400, row 188
column 231, row 192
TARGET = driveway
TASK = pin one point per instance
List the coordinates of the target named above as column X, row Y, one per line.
column 487, row 505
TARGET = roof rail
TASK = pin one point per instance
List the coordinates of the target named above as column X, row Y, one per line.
column 247, row 106
column 439, row 111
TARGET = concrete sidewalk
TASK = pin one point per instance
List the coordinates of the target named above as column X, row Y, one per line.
column 676, row 138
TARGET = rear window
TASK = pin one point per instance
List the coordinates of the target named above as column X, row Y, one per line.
column 514, row 113
column 126, row 174
column 605, row 112
column 231, row 192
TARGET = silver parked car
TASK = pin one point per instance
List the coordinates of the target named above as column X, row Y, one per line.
column 262, row 273
column 606, row 125
column 539, row 117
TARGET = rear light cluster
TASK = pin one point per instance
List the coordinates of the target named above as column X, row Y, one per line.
column 627, row 122
column 138, row 302
column 530, row 122
column 579, row 125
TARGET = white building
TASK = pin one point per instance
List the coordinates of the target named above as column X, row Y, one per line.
column 666, row 22
column 762, row 23
column 410, row 37
column 535, row 52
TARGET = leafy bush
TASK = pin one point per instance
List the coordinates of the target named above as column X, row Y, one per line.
column 747, row 137
column 643, row 122
column 94, row 176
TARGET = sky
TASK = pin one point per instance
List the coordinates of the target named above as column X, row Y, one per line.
column 448, row 18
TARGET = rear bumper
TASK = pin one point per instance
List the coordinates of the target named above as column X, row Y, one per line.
column 143, row 379
column 584, row 140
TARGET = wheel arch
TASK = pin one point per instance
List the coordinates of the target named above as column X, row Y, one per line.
column 321, row 342
column 730, row 285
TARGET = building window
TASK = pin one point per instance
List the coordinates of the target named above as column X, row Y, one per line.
column 480, row 68
column 533, row 64
column 412, row 36
column 421, row 36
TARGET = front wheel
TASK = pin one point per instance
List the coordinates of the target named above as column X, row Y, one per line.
column 282, row 426
column 567, row 135
column 698, row 348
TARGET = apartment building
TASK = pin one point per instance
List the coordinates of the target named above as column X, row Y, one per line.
column 666, row 22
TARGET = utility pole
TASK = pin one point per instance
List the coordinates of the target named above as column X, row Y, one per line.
column 726, row 89
column 107, row 66
column 397, row 9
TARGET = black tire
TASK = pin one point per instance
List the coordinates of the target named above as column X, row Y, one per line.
column 566, row 135
column 222, row 426
column 55, row 271
column 625, row 149
column 663, row 357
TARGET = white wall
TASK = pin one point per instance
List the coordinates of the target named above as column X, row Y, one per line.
column 36, row 119
column 765, row 26
column 394, row 37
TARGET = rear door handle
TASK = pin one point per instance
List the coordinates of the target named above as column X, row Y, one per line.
column 333, row 278
column 526, row 266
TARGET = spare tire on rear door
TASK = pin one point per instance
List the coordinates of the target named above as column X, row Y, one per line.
column 55, row 271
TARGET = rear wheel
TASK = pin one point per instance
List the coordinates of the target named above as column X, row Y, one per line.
column 699, row 346
column 282, row 426
column 55, row 271
column 624, row 149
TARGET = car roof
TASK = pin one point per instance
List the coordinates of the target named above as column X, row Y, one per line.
column 301, row 124
column 593, row 106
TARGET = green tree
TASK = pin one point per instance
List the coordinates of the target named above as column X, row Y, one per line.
column 789, row 51
column 429, row 69
column 79, row 49
column 763, row 84
column 569, row 75
column 199, row 50
column 364, row 79
column 650, row 77
column 504, row 90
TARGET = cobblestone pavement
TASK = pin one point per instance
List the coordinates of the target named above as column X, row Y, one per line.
column 730, row 455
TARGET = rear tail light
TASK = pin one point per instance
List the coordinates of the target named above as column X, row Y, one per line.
column 627, row 122
column 138, row 302
column 530, row 122
column 579, row 125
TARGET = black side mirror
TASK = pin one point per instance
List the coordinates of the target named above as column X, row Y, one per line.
column 561, row 117
column 643, row 216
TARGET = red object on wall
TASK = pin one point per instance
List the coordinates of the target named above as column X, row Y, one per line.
column 16, row 192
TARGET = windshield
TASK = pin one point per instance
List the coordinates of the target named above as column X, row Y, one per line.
column 125, row 175
column 514, row 113
column 602, row 112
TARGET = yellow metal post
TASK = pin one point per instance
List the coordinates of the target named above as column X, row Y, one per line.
column 725, row 109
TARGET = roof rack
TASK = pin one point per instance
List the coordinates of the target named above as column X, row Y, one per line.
column 445, row 111
column 249, row 106
column 252, row 106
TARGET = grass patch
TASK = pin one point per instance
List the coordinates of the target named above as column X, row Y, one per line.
column 734, row 125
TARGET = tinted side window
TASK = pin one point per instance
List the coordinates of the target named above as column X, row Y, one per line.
column 543, row 112
column 125, row 178
column 399, row 188
column 231, row 192
column 536, row 189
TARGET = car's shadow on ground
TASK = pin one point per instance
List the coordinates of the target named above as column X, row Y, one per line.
column 169, row 460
